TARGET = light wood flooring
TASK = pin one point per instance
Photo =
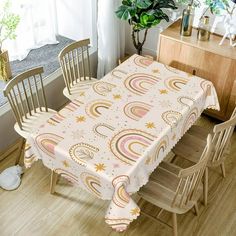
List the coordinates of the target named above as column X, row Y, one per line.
column 32, row 210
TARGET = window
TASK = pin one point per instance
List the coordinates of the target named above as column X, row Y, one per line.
column 42, row 20
column 47, row 26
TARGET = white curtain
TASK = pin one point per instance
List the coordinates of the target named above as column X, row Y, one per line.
column 111, row 36
column 36, row 27
column 42, row 20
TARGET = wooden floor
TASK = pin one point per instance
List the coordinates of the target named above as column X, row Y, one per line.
column 31, row 210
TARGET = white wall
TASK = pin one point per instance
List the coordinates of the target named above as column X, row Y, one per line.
column 55, row 100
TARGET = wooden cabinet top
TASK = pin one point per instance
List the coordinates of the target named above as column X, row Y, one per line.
column 173, row 32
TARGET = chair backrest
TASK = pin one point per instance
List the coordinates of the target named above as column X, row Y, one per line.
column 190, row 178
column 221, row 139
column 74, row 61
column 26, row 95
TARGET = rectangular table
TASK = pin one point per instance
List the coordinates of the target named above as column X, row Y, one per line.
column 112, row 137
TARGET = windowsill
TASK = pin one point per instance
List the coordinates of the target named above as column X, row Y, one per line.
column 46, row 80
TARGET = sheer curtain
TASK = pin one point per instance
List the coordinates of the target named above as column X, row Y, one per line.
column 36, row 27
column 42, row 20
column 111, row 36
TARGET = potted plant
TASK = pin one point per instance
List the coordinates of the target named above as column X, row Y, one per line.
column 142, row 15
column 8, row 25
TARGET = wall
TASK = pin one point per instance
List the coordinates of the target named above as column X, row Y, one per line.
column 54, row 86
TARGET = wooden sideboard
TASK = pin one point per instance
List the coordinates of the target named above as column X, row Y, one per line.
column 204, row 59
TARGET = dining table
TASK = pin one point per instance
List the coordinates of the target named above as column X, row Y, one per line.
column 110, row 139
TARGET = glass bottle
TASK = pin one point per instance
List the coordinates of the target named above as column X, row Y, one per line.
column 187, row 21
column 204, row 29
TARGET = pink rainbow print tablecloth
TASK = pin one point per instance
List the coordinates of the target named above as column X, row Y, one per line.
column 112, row 137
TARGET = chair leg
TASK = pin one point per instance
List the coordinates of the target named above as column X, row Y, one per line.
column 22, row 151
column 174, row 222
column 205, row 186
column 222, row 166
column 53, row 182
column 196, row 209
column 141, row 202
column 173, row 159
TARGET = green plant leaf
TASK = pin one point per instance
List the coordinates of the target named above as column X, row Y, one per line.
column 125, row 12
column 143, row 4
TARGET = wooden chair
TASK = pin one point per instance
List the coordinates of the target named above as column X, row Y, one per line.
column 75, row 63
column 26, row 96
column 174, row 189
column 194, row 141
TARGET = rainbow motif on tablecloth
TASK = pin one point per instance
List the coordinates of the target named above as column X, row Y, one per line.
column 171, row 69
column 121, row 198
column 171, row 118
column 91, row 182
column 161, row 148
column 140, row 83
column 56, row 119
column 72, row 106
column 129, row 144
column 67, row 175
column 143, row 61
column 186, row 101
column 206, row 87
column 119, row 74
column 47, row 143
column 82, row 152
column 94, row 109
column 190, row 119
column 136, row 110
column 103, row 88
column 119, row 224
column 175, row 83
column 101, row 129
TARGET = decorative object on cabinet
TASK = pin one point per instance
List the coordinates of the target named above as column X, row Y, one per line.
column 204, row 29
column 187, row 21
column 220, row 6
column 8, row 24
column 204, row 59
column 142, row 15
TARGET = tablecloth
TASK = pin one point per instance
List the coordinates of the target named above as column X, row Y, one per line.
column 111, row 138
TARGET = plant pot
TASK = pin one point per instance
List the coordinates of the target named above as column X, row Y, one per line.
column 5, row 69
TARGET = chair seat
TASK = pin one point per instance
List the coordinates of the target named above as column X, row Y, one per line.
column 192, row 145
column 79, row 87
column 161, row 188
column 199, row 131
column 37, row 119
column 190, row 148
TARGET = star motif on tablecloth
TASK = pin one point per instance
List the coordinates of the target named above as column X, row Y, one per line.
column 135, row 211
column 65, row 164
column 81, row 94
column 100, row 167
column 150, row 125
column 80, row 119
column 116, row 96
column 163, row 91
